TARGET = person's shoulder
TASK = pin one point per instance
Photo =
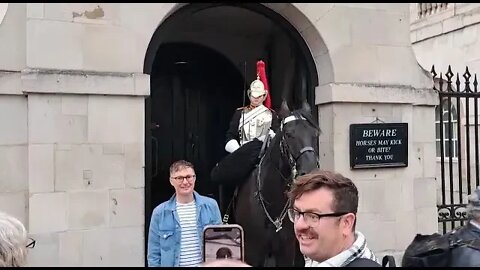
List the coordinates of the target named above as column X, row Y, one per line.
column 241, row 108
column 363, row 262
column 161, row 207
column 207, row 200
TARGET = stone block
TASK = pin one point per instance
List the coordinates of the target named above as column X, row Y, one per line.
column 100, row 55
column 41, row 168
column 127, row 207
column 86, row 167
column 423, row 124
column 377, row 232
column 35, row 10
column 12, row 33
column 46, row 251
column 324, row 62
column 345, row 55
column 427, row 220
column 113, row 149
column 54, row 44
column 383, row 111
column 48, row 212
column 75, row 105
column 87, row 209
column 429, row 160
column 142, row 84
column 326, row 116
column 15, row 204
column 135, row 165
column 402, row 186
column 13, row 168
column 379, row 7
column 114, row 247
column 78, row 83
column 69, row 11
column 370, row 193
column 405, row 228
column 452, row 24
column 341, row 34
column 10, row 83
column 471, row 18
column 429, row 31
column 402, row 73
column 103, row 126
column 377, row 27
column 425, row 192
column 47, row 124
column 294, row 14
column 13, row 119
column 315, row 41
column 70, row 248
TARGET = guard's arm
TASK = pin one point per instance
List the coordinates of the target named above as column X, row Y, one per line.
column 232, row 135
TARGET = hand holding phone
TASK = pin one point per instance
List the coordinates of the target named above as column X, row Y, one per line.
column 223, row 242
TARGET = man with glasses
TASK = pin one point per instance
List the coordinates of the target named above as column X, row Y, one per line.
column 176, row 225
column 324, row 208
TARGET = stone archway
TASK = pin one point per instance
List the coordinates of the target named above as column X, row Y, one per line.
column 307, row 66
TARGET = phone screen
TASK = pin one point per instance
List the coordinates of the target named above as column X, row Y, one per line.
column 223, row 242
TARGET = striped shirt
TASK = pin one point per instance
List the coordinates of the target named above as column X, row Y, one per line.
column 190, row 254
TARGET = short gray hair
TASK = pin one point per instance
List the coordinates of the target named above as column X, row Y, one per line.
column 473, row 206
column 13, row 241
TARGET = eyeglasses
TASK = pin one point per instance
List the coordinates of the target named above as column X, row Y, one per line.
column 311, row 219
column 31, row 243
column 180, row 179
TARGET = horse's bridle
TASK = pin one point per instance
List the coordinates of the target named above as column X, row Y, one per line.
column 285, row 150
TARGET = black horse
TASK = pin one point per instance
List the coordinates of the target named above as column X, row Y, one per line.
column 262, row 202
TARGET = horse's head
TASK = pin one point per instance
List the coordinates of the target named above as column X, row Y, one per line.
column 299, row 136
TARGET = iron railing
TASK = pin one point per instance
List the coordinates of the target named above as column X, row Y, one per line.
column 452, row 209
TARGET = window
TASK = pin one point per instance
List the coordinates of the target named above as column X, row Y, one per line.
column 448, row 131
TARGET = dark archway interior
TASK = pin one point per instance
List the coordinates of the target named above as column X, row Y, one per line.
column 196, row 60
column 194, row 88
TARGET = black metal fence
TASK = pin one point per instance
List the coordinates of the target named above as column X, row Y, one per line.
column 457, row 145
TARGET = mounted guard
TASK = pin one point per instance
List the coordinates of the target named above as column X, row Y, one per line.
column 249, row 128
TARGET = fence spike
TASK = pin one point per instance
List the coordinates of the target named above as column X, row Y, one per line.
column 457, row 82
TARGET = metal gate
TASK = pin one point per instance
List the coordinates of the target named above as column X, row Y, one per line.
column 457, row 138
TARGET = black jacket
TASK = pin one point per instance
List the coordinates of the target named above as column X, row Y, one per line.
column 467, row 255
column 233, row 133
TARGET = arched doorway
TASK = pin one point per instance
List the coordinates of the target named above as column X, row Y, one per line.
column 196, row 62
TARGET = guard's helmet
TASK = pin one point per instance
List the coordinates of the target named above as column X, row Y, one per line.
column 257, row 88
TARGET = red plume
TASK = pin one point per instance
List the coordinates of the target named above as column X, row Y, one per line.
column 263, row 77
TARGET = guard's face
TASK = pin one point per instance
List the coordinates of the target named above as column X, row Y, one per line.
column 183, row 181
column 323, row 238
column 256, row 101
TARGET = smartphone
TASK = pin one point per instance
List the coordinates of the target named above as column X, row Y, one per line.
column 223, row 242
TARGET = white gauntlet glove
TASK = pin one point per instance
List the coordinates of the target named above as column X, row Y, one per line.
column 232, row 145
column 271, row 133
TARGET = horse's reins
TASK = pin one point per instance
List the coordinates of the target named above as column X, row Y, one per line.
column 293, row 165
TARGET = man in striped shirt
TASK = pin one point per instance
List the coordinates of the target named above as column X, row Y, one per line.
column 176, row 227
